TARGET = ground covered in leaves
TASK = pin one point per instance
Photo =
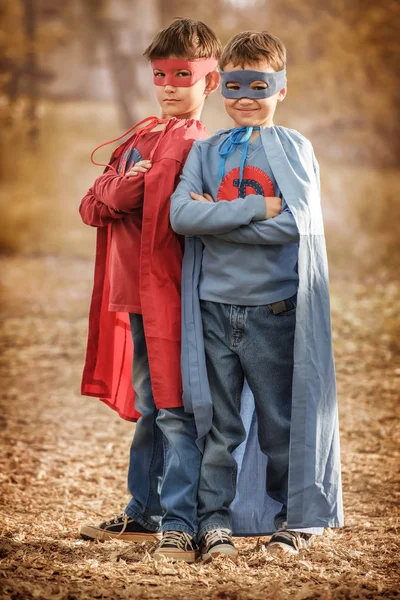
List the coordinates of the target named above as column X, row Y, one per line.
column 64, row 459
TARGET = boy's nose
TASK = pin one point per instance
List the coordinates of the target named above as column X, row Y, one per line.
column 245, row 101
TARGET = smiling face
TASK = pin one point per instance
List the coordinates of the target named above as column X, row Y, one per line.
column 182, row 101
column 247, row 112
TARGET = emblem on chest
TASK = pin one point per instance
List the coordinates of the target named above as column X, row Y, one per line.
column 254, row 181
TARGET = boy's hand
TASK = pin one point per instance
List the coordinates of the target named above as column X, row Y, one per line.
column 273, row 206
column 204, row 198
column 140, row 167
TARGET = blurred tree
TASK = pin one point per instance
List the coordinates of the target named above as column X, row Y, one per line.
column 79, row 49
column 343, row 62
column 12, row 48
column 22, row 37
column 31, row 64
column 123, row 29
column 18, row 64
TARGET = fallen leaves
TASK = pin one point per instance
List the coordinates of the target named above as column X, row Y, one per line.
column 63, row 460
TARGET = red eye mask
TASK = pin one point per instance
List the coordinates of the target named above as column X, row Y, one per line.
column 199, row 68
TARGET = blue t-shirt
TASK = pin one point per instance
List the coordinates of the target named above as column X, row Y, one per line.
column 247, row 260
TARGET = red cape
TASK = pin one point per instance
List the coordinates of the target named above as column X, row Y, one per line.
column 108, row 367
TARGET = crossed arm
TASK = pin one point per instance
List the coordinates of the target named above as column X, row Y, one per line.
column 242, row 220
column 189, row 217
column 274, row 231
column 95, row 213
column 113, row 196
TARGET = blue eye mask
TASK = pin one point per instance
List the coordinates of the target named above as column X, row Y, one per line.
column 275, row 82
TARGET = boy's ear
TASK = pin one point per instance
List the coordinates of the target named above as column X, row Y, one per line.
column 282, row 94
column 212, row 82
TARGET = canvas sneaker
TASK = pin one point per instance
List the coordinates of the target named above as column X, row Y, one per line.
column 121, row 527
column 217, row 542
column 177, row 545
column 285, row 541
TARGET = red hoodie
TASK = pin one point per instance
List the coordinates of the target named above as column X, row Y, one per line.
column 154, row 281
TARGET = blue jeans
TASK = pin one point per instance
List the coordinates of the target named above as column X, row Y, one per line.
column 164, row 459
column 254, row 343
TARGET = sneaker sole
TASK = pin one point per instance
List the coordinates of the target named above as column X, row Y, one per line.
column 189, row 557
column 91, row 533
column 280, row 549
column 221, row 550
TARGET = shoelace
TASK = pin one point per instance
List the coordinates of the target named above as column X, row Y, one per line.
column 236, row 137
column 117, row 519
column 217, row 535
column 294, row 537
column 180, row 539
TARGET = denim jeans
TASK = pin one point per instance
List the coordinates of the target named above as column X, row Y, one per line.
column 254, row 343
column 164, row 459
column 182, row 461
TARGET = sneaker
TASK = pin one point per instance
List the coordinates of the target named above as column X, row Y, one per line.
column 217, row 542
column 177, row 545
column 285, row 541
column 121, row 527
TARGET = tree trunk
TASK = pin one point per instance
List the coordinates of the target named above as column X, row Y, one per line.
column 31, row 70
column 124, row 28
column 121, row 71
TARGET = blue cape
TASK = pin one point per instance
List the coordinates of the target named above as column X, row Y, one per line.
column 314, row 494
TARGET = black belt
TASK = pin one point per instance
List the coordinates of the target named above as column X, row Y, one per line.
column 282, row 305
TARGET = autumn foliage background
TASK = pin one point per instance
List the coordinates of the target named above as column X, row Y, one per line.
column 72, row 75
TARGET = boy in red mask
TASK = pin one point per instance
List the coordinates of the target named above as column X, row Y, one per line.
column 136, row 296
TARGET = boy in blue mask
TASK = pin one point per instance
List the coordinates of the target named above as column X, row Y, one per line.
column 256, row 308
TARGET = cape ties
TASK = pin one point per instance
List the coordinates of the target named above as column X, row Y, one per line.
column 237, row 136
column 151, row 123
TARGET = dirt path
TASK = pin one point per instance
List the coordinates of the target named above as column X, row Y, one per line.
column 64, row 459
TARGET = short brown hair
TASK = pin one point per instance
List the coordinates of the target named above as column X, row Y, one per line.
column 254, row 46
column 185, row 38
